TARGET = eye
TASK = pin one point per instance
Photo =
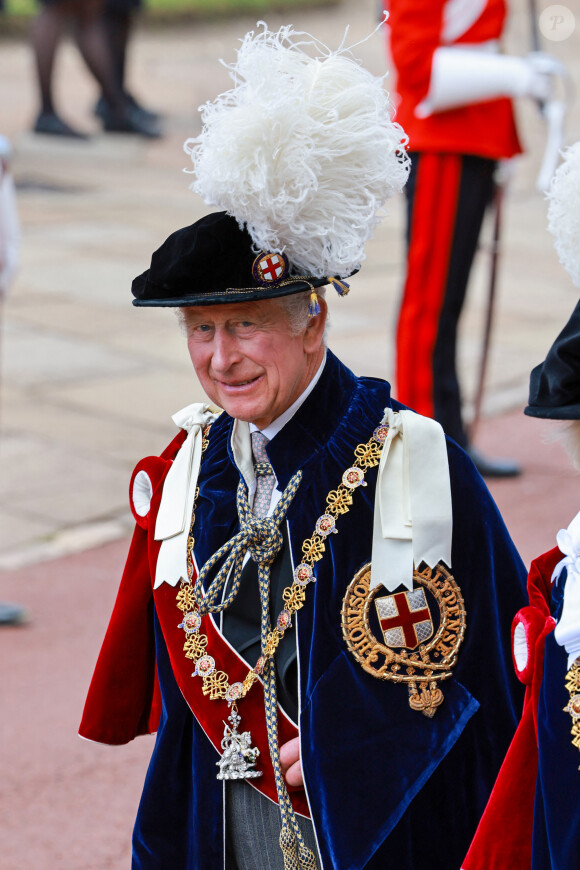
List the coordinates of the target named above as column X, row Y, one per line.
column 245, row 328
column 200, row 331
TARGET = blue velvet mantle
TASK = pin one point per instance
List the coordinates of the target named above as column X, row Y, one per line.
column 556, row 834
column 388, row 787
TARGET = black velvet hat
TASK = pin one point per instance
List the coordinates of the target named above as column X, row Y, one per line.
column 555, row 383
column 213, row 262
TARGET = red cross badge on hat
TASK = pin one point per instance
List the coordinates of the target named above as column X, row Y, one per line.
column 270, row 268
column 405, row 619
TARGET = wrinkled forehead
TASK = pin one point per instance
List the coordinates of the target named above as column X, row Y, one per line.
column 263, row 310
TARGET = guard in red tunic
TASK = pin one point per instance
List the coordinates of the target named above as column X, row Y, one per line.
column 454, row 91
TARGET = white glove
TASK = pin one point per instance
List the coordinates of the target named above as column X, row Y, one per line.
column 462, row 76
column 567, row 631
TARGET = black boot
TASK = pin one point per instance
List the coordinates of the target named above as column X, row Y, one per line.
column 493, row 467
column 102, row 109
column 131, row 121
column 12, row 614
column 50, row 124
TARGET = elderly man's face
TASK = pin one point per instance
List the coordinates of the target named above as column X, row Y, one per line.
column 247, row 359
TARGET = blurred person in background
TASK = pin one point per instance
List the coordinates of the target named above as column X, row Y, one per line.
column 455, row 91
column 10, row 614
column 532, row 818
column 118, row 21
column 86, row 19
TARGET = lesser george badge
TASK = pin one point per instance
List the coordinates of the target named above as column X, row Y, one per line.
column 270, row 269
column 410, row 637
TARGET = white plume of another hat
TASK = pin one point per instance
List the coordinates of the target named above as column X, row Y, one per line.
column 564, row 211
column 302, row 150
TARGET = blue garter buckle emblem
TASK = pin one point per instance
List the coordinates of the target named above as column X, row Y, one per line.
column 407, row 637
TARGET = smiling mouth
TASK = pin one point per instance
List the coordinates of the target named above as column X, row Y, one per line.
column 240, row 384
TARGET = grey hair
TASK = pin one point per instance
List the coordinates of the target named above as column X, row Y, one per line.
column 296, row 309
column 569, row 436
column 181, row 314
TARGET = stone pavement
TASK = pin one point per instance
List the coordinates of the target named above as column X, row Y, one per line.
column 89, row 384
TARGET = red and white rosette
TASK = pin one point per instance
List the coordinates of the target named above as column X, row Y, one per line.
column 528, row 626
column 145, row 478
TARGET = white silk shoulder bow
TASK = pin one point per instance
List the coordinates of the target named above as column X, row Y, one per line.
column 567, row 631
column 413, row 520
column 173, row 519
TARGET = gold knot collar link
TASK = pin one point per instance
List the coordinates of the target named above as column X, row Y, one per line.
column 260, row 536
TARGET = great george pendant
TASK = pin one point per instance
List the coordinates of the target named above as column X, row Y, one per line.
column 239, row 757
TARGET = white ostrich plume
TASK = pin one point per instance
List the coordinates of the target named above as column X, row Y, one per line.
column 302, row 150
column 564, row 211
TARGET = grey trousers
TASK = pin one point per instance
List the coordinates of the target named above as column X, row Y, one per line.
column 253, row 830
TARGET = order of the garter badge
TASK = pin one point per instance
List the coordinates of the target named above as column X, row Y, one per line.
column 270, row 269
column 410, row 637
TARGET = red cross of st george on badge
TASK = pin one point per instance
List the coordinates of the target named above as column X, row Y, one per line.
column 270, row 268
column 405, row 619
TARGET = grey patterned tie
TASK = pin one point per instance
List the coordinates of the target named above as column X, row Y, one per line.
column 265, row 477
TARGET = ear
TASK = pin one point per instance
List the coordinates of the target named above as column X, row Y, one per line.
column 314, row 333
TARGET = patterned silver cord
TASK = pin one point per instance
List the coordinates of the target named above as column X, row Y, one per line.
column 297, row 856
column 261, row 536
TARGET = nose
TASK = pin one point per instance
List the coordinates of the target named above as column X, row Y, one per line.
column 225, row 351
